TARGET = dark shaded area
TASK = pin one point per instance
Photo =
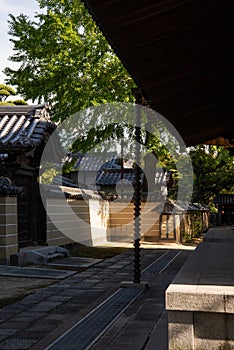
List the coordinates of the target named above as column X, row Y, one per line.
column 180, row 52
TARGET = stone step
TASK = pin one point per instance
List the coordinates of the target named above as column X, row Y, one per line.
column 41, row 255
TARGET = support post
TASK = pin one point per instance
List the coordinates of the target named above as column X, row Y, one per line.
column 137, row 192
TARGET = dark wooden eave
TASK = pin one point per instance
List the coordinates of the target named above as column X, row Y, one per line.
column 180, row 52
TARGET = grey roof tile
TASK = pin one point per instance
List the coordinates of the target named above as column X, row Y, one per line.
column 23, row 126
column 111, row 178
column 108, row 169
column 106, row 178
column 93, row 162
column 224, row 199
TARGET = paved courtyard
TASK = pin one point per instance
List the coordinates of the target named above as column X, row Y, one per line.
column 39, row 319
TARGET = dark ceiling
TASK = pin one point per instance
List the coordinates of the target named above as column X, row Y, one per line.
column 181, row 54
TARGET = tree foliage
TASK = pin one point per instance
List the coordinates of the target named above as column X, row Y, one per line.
column 6, row 91
column 213, row 172
column 65, row 59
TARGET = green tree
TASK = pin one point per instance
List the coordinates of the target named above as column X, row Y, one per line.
column 18, row 102
column 213, row 172
column 6, row 91
column 65, row 59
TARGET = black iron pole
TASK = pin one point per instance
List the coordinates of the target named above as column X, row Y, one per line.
column 137, row 191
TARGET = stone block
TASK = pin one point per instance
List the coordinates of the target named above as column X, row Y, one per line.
column 8, row 227
column 180, row 330
column 8, row 240
column 230, row 328
column 211, row 331
column 229, row 304
column 7, row 251
column 8, row 205
column 195, row 298
column 8, row 218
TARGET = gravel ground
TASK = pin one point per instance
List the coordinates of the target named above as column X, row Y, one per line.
column 15, row 288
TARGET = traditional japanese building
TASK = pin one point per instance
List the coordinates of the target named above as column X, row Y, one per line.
column 24, row 131
column 225, row 206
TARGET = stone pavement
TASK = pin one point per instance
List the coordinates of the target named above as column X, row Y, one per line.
column 40, row 318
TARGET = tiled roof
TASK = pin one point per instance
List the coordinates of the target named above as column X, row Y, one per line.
column 23, row 126
column 180, row 207
column 63, row 181
column 224, row 199
column 93, row 162
column 58, row 191
column 108, row 169
column 112, row 178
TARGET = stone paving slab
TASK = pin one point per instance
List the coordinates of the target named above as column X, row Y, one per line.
column 136, row 328
column 159, row 335
column 220, row 234
column 74, row 262
column 34, row 272
column 47, row 314
column 17, row 344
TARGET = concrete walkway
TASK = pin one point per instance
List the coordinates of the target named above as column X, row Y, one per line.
column 39, row 319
